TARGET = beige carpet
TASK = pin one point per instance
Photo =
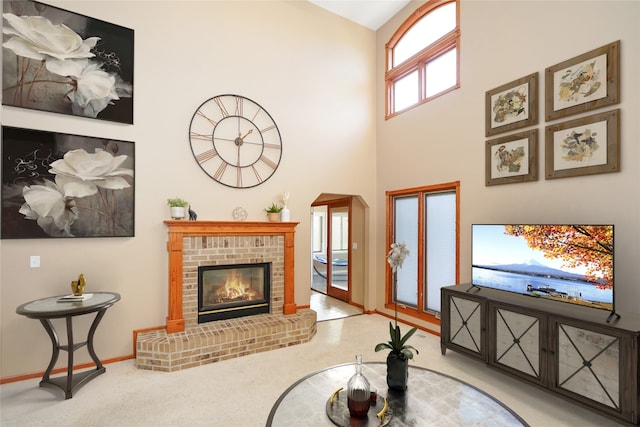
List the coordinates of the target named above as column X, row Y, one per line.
column 240, row 392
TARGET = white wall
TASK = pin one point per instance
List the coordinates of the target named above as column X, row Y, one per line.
column 311, row 70
column 444, row 140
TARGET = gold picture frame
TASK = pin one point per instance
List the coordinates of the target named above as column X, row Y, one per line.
column 512, row 159
column 577, row 147
column 513, row 105
column 583, row 83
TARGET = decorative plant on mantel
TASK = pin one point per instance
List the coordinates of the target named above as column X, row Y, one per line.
column 273, row 212
column 177, row 206
column 177, row 202
column 401, row 352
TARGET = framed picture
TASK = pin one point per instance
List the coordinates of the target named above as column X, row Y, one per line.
column 583, row 83
column 61, row 185
column 512, row 106
column 62, row 62
column 512, row 158
column 584, row 146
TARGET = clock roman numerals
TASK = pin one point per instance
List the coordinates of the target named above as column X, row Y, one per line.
column 218, row 175
column 267, row 129
column 223, row 109
column 201, row 114
column 268, row 162
column 201, row 136
column 256, row 174
column 207, row 155
column 239, row 102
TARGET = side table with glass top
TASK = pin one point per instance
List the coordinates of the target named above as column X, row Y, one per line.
column 50, row 308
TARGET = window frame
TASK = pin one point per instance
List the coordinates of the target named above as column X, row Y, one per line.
column 419, row 60
column 420, row 312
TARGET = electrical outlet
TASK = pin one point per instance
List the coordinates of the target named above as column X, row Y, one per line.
column 34, row 261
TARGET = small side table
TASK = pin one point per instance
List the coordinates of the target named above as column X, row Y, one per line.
column 49, row 308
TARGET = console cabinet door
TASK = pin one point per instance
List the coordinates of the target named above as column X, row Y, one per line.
column 517, row 341
column 587, row 364
column 464, row 325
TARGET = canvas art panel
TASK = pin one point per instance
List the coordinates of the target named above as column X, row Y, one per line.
column 57, row 185
column 584, row 146
column 512, row 105
column 512, row 158
column 583, row 83
column 63, row 62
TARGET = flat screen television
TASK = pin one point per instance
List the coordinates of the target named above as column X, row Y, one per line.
column 568, row 263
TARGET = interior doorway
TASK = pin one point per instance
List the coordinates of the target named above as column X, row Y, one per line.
column 331, row 242
column 337, row 255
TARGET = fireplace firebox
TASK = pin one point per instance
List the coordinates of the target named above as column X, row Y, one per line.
column 236, row 290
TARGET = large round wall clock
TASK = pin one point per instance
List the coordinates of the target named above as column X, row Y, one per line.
column 235, row 141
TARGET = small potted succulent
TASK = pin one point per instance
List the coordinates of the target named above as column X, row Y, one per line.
column 273, row 212
column 178, row 207
column 401, row 352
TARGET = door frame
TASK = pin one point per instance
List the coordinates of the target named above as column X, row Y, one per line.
column 342, row 202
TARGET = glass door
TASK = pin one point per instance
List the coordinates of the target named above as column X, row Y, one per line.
column 338, row 248
column 330, row 249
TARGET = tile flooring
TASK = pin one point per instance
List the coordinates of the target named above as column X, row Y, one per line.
column 331, row 308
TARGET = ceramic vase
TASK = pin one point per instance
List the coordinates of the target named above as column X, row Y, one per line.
column 177, row 212
column 285, row 214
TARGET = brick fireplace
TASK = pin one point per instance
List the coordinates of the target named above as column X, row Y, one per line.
column 192, row 244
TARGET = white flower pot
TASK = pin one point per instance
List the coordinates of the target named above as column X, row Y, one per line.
column 177, row 212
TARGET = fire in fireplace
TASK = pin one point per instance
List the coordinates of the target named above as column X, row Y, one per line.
column 236, row 290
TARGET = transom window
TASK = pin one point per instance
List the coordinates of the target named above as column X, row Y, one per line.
column 423, row 56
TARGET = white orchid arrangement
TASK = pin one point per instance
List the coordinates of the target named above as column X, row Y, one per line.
column 55, row 56
column 397, row 343
column 285, row 198
column 397, row 255
column 54, row 205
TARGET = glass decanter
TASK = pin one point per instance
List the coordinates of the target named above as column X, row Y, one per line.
column 358, row 392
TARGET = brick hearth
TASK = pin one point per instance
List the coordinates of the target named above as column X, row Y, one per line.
column 185, row 343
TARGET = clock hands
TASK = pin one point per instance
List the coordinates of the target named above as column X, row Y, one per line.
column 240, row 139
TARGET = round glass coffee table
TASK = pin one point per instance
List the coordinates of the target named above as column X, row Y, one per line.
column 431, row 399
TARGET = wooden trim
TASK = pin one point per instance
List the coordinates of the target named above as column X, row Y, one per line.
column 413, row 325
column 418, row 61
column 418, row 14
column 178, row 229
column 16, row 378
column 419, row 312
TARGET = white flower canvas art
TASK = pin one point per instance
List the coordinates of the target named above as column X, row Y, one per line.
column 62, row 185
column 59, row 61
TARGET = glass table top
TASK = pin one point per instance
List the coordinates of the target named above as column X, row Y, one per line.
column 431, row 399
column 51, row 307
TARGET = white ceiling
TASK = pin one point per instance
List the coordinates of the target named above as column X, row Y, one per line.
column 370, row 13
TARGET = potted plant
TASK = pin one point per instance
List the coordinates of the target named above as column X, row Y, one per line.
column 177, row 206
column 401, row 352
column 273, row 212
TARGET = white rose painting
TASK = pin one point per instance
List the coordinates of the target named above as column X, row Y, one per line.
column 61, row 185
column 59, row 61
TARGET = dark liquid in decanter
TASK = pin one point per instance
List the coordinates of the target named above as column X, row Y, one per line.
column 359, row 408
